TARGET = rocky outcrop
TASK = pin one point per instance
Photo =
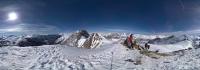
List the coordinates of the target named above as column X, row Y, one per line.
column 37, row 40
column 169, row 40
column 74, row 38
column 94, row 41
column 110, row 36
column 82, row 39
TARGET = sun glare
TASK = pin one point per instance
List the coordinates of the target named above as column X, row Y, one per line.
column 12, row 16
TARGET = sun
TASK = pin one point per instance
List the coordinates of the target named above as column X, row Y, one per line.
column 12, row 16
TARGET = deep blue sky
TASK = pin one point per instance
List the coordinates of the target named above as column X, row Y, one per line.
column 143, row 16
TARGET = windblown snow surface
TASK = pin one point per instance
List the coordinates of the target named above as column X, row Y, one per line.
column 110, row 56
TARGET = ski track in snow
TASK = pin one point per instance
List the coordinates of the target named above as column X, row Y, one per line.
column 60, row 57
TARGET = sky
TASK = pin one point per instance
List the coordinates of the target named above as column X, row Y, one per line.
column 137, row 16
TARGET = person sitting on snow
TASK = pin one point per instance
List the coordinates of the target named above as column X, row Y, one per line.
column 129, row 41
column 147, row 46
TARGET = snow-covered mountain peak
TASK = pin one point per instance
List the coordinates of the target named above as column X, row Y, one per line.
column 82, row 39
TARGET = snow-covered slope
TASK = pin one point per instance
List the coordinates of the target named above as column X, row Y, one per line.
column 113, row 56
column 110, row 56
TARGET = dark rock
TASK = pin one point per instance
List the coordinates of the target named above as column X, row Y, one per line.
column 93, row 41
column 84, row 33
column 130, row 60
column 38, row 40
column 169, row 40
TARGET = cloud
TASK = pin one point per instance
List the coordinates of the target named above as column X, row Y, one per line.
column 30, row 29
column 10, row 30
column 9, row 8
column 117, row 30
column 18, row 5
column 39, row 28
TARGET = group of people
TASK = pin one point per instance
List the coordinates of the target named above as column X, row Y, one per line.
column 131, row 43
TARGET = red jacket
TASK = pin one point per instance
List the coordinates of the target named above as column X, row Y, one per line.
column 130, row 39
